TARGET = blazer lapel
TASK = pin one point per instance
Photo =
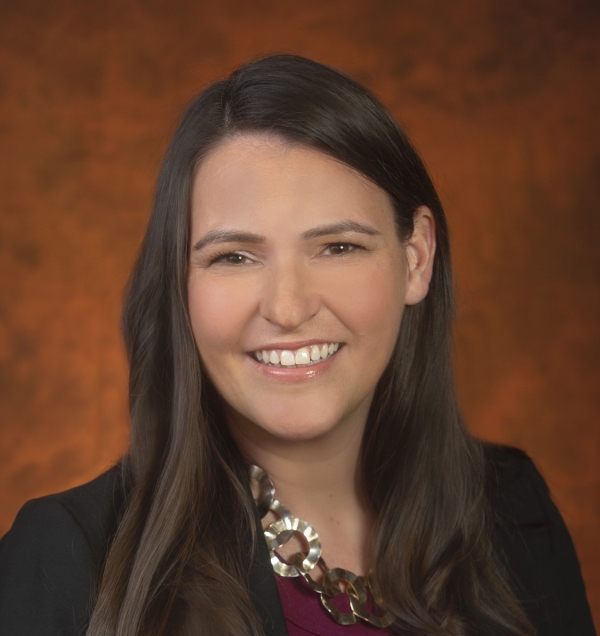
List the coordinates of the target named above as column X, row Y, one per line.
column 264, row 591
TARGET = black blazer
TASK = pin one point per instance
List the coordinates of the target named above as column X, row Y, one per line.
column 51, row 558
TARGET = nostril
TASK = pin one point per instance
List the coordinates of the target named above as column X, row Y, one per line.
column 288, row 309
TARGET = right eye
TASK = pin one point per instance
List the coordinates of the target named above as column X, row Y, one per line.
column 230, row 258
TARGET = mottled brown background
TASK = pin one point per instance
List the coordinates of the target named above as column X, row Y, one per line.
column 501, row 97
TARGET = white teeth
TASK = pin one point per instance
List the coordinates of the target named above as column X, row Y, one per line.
column 302, row 356
column 287, row 358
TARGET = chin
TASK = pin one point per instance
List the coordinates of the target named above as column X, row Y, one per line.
column 306, row 427
column 298, row 431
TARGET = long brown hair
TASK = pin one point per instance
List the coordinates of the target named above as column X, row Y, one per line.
column 180, row 555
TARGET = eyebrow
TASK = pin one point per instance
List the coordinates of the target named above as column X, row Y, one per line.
column 227, row 236
column 340, row 228
column 234, row 236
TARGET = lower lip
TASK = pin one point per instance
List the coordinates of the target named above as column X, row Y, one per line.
column 298, row 374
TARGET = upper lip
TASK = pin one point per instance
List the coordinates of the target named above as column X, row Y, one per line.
column 298, row 344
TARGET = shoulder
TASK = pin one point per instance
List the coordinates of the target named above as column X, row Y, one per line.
column 51, row 557
column 534, row 545
column 517, row 491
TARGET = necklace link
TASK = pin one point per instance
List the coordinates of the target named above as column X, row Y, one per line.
column 335, row 581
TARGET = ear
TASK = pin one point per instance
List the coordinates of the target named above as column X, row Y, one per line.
column 420, row 250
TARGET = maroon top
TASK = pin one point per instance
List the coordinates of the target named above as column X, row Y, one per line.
column 306, row 616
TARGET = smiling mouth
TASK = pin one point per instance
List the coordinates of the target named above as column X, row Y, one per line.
column 294, row 359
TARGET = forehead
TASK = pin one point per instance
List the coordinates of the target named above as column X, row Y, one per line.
column 255, row 178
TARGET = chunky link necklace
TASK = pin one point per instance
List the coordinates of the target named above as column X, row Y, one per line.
column 302, row 563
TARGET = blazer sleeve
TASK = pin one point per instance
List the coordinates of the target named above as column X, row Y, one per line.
column 538, row 550
column 47, row 573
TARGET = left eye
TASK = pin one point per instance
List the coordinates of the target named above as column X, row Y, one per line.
column 339, row 249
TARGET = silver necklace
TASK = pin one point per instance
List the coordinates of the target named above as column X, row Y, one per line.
column 302, row 563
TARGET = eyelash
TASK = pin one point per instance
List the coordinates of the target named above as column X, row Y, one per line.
column 354, row 247
column 218, row 257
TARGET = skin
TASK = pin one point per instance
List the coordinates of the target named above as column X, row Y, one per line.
column 347, row 287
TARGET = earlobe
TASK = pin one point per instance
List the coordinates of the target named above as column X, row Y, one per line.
column 420, row 252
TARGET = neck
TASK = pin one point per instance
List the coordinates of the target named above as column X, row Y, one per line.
column 320, row 481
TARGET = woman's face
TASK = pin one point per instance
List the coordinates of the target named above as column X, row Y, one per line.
column 297, row 284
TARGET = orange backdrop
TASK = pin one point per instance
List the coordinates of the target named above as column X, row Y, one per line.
column 500, row 96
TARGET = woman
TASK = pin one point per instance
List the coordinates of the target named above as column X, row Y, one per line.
column 288, row 326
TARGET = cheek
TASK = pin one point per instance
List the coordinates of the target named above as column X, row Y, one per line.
column 370, row 302
column 218, row 313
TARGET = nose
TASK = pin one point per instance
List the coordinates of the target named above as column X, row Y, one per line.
column 288, row 298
